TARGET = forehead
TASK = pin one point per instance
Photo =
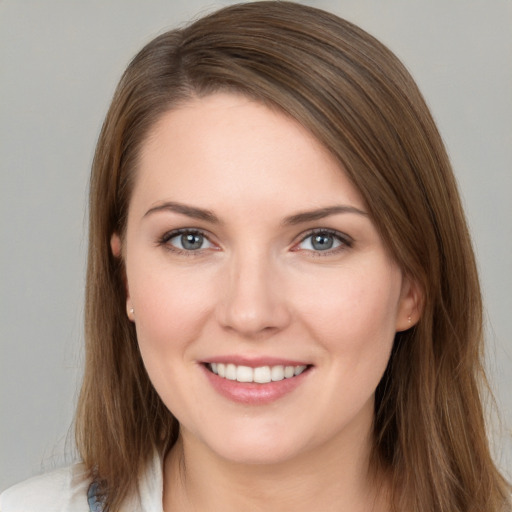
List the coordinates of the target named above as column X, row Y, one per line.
column 227, row 148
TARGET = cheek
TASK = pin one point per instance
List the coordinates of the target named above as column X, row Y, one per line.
column 352, row 319
column 353, row 310
column 169, row 307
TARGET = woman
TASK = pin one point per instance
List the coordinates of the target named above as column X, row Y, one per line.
column 283, row 310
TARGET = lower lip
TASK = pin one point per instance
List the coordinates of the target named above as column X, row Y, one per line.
column 252, row 393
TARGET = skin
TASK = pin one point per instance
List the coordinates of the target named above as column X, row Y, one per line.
column 258, row 287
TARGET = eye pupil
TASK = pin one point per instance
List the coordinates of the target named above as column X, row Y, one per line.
column 322, row 242
column 191, row 241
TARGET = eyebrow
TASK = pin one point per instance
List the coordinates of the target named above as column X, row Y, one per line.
column 189, row 211
column 299, row 218
column 321, row 213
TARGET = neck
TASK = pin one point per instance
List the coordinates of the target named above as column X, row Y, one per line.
column 327, row 478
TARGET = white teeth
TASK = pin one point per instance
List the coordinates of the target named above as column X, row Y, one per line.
column 277, row 373
column 289, row 372
column 298, row 370
column 260, row 374
column 244, row 374
column 231, row 372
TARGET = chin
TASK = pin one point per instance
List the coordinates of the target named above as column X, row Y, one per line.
column 257, row 447
column 257, row 455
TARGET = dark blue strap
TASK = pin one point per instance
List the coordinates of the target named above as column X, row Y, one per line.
column 95, row 502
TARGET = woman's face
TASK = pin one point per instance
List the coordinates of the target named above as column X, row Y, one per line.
column 264, row 300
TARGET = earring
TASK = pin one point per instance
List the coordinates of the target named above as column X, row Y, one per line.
column 409, row 319
column 130, row 313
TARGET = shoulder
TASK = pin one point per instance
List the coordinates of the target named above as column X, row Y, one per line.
column 61, row 490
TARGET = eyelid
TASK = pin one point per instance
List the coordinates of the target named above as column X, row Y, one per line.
column 346, row 241
column 169, row 235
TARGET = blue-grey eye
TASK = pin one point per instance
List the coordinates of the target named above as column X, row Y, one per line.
column 321, row 241
column 190, row 241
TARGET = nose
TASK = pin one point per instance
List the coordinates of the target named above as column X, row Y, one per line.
column 253, row 300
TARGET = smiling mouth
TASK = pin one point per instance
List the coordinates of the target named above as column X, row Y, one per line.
column 259, row 374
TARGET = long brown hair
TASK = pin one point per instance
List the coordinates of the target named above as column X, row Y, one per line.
column 355, row 96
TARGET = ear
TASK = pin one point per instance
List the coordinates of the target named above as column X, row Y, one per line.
column 116, row 246
column 410, row 306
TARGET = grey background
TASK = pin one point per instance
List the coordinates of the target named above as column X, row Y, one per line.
column 59, row 63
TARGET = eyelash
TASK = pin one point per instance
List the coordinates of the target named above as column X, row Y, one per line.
column 345, row 241
column 165, row 239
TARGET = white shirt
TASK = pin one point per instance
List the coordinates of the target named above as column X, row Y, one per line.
column 65, row 490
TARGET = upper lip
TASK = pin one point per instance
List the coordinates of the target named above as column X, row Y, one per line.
column 255, row 362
